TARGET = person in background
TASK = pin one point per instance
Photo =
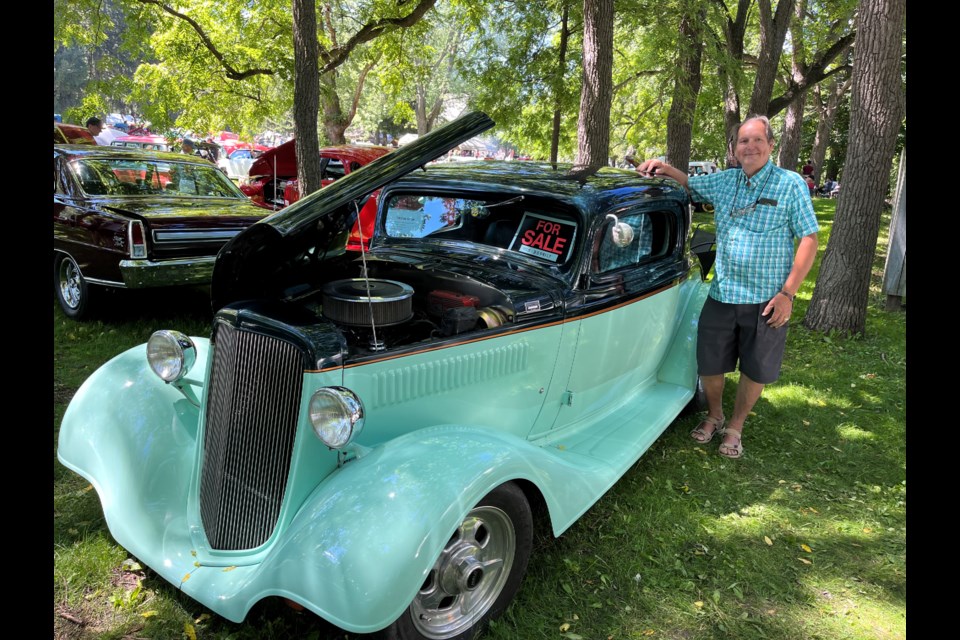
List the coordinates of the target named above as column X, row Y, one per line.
column 811, row 185
column 759, row 210
column 808, row 170
column 94, row 126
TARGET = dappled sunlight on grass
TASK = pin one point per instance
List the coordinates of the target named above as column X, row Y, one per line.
column 850, row 432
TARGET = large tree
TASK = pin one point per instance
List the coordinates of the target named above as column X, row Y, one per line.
column 306, row 95
column 686, row 85
column 841, row 293
column 596, row 93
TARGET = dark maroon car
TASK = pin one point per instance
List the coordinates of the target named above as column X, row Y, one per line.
column 273, row 179
column 128, row 218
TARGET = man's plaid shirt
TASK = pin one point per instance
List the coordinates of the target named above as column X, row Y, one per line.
column 755, row 248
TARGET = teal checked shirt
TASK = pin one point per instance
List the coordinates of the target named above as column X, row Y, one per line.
column 757, row 222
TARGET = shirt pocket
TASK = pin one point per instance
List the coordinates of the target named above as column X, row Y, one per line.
column 763, row 219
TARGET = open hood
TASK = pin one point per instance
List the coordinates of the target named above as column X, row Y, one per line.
column 263, row 260
column 278, row 161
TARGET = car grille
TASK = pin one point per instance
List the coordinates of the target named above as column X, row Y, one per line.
column 251, row 423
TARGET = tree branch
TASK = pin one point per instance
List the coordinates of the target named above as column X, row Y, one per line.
column 813, row 74
column 231, row 72
column 359, row 89
column 370, row 31
column 634, row 76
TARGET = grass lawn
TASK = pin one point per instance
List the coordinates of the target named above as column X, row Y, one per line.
column 804, row 538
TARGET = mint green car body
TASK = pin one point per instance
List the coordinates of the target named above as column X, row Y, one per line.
column 560, row 404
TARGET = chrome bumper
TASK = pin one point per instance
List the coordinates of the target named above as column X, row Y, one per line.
column 139, row 274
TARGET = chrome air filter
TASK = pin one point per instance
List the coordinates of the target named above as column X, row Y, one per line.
column 350, row 302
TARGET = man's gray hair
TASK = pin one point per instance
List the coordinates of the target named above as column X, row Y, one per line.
column 766, row 125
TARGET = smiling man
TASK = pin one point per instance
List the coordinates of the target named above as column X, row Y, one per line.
column 759, row 210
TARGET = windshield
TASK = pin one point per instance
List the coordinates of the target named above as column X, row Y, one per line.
column 149, row 176
column 532, row 226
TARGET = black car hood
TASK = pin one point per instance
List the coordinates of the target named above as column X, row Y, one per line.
column 260, row 262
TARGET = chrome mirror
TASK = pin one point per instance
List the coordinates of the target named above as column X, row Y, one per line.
column 620, row 232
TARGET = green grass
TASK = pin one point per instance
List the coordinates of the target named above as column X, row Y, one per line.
column 804, row 538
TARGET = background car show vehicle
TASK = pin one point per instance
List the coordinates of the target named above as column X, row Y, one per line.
column 236, row 160
column 145, row 142
column 368, row 435
column 71, row 134
column 696, row 168
column 273, row 180
column 128, row 218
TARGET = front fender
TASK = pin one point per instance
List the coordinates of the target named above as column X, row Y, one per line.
column 362, row 545
column 134, row 438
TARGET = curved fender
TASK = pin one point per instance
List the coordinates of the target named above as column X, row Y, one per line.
column 134, row 438
column 362, row 545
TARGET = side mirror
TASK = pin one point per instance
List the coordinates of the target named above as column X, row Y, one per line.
column 620, row 232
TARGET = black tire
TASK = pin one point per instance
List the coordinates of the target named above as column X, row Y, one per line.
column 480, row 568
column 70, row 287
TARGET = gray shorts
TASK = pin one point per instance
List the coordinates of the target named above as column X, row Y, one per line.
column 728, row 333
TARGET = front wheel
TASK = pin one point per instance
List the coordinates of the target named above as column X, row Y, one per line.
column 477, row 574
column 70, row 287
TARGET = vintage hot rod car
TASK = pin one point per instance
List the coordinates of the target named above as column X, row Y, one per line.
column 367, row 434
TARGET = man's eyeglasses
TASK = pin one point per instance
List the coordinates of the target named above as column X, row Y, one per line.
column 743, row 211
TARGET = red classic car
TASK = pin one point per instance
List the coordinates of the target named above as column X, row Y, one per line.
column 128, row 218
column 71, row 134
column 273, row 179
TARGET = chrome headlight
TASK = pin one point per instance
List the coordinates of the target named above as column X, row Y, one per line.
column 171, row 354
column 336, row 414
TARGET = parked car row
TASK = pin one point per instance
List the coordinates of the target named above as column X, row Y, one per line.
column 367, row 435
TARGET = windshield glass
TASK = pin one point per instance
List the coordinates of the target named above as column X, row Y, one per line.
column 149, row 176
column 532, row 226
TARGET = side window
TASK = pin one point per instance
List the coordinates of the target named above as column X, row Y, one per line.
column 651, row 239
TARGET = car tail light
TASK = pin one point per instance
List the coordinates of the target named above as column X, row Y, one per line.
column 137, row 240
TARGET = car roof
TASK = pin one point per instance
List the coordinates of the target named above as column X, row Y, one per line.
column 589, row 191
column 147, row 138
column 75, row 151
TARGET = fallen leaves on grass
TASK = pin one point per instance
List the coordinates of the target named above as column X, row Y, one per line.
column 768, row 540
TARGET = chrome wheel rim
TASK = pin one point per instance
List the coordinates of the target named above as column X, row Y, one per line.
column 468, row 576
column 70, row 283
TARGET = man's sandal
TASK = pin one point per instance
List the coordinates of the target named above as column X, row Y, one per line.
column 732, row 451
column 703, row 437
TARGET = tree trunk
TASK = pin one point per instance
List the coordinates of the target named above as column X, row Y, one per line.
column 734, row 31
column 421, row 109
column 773, row 31
column 334, row 122
column 841, row 294
column 593, row 127
column 306, row 95
column 558, row 86
column 827, row 112
column 686, row 87
column 792, row 134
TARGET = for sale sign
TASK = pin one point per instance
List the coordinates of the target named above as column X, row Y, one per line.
column 544, row 237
